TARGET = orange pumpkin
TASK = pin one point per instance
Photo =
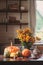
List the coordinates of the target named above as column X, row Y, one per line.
column 12, row 49
column 26, row 52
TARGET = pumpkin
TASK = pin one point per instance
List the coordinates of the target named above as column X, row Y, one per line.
column 13, row 55
column 26, row 52
column 12, row 50
column 38, row 38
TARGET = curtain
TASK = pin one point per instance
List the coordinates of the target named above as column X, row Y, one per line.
column 32, row 15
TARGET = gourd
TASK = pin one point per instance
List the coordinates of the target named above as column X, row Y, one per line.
column 26, row 52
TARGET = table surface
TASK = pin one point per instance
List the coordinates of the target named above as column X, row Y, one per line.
column 2, row 58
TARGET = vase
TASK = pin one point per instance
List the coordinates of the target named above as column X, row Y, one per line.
column 26, row 45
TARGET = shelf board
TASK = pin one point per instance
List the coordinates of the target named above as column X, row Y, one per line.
column 2, row 10
column 13, row 11
column 18, row 0
column 24, row 11
column 13, row 23
column 2, row 23
column 24, row 0
column 23, row 23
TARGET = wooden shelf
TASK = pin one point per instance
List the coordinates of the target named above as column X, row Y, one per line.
column 20, row 24
column 18, row 0
column 24, row 0
column 13, row 11
column 17, row 10
column 23, row 23
column 14, row 23
column 3, row 10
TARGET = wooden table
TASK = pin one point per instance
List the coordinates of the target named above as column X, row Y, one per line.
column 2, row 58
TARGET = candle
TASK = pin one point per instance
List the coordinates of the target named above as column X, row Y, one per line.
column 11, row 43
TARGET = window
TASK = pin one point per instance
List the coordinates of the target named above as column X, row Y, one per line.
column 39, row 19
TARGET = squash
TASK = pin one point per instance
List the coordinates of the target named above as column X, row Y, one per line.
column 26, row 52
column 11, row 51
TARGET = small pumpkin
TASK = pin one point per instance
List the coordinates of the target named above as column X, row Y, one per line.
column 11, row 51
column 26, row 52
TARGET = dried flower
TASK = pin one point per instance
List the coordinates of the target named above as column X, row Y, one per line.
column 25, row 35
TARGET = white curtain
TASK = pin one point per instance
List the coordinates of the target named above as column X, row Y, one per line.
column 32, row 15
